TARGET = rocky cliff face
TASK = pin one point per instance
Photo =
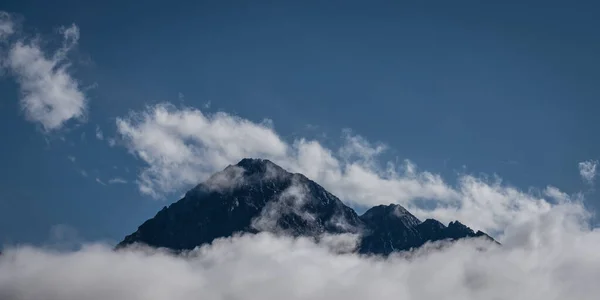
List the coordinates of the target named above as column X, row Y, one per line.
column 257, row 195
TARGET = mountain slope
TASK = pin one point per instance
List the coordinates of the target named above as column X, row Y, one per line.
column 257, row 195
column 390, row 228
column 254, row 195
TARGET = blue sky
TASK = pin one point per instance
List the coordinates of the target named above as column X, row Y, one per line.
column 464, row 88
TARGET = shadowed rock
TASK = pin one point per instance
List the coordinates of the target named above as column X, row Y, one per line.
column 257, row 195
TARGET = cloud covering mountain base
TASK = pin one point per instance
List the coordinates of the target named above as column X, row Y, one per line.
column 553, row 256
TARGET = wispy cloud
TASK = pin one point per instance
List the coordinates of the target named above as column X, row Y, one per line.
column 99, row 134
column 6, row 25
column 71, row 158
column 100, row 181
column 311, row 127
column 50, row 95
column 64, row 237
column 112, row 142
column 587, row 170
column 117, row 180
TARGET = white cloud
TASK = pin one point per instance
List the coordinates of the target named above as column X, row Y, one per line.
column 587, row 170
column 71, row 158
column 291, row 200
column 227, row 179
column 117, row 180
column 553, row 256
column 100, row 181
column 99, row 134
column 49, row 94
column 183, row 147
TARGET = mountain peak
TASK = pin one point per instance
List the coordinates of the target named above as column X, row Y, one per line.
column 255, row 164
column 393, row 211
column 433, row 224
column 262, row 167
column 384, row 209
column 458, row 225
column 257, row 195
column 457, row 230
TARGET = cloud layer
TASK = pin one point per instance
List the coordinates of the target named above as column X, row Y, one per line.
column 50, row 95
column 552, row 256
column 184, row 146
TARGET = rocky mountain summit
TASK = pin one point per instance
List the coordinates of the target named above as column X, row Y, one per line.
column 257, row 195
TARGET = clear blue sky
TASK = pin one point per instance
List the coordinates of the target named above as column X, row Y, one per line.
column 505, row 87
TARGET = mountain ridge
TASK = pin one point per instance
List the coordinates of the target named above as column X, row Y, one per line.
column 257, row 195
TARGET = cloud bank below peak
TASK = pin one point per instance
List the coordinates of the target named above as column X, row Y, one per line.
column 182, row 146
column 552, row 256
column 50, row 95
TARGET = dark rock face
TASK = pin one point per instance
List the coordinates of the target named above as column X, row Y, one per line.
column 257, row 195
column 389, row 228
column 395, row 229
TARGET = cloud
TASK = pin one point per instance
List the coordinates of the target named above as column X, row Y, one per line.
column 112, row 142
column 291, row 200
column 117, row 180
column 50, row 95
column 99, row 134
column 184, row 146
column 553, row 256
column 100, row 181
column 6, row 25
column 71, row 158
column 587, row 170
column 230, row 177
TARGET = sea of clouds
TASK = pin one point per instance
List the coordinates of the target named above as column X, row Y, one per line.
column 554, row 256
